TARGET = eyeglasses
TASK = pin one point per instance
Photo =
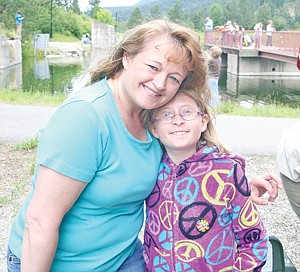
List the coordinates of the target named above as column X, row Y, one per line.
column 185, row 114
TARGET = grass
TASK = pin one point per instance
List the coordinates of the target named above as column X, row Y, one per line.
column 58, row 37
column 279, row 111
column 28, row 145
column 14, row 198
column 227, row 108
column 31, row 98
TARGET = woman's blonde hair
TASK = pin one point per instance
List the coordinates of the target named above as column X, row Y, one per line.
column 209, row 137
column 186, row 49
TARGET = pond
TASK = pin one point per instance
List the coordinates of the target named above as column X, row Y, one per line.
column 64, row 75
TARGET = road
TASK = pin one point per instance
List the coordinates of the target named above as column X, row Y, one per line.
column 248, row 136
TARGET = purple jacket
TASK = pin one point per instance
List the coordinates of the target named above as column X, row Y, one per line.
column 200, row 217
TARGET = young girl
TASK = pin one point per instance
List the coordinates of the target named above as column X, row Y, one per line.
column 200, row 216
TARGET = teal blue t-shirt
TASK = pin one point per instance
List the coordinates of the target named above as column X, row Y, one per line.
column 87, row 140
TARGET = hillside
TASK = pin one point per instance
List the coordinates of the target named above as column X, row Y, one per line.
column 192, row 5
column 145, row 5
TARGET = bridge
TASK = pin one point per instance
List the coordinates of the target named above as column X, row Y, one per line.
column 242, row 58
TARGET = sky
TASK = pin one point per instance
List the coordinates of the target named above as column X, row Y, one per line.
column 108, row 3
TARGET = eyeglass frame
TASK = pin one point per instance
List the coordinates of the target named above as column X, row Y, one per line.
column 182, row 117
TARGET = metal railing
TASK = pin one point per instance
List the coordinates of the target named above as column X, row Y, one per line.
column 287, row 42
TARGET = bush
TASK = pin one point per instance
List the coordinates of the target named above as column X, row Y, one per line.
column 70, row 23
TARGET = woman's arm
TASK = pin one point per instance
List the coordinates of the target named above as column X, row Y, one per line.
column 266, row 183
column 54, row 195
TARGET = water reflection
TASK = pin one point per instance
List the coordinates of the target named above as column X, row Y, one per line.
column 57, row 75
column 41, row 69
column 260, row 90
column 11, row 77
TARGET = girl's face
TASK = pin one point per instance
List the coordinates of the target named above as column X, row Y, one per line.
column 179, row 136
column 149, row 80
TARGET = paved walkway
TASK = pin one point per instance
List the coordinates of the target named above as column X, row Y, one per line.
column 249, row 136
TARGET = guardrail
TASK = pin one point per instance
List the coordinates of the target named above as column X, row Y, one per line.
column 287, row 42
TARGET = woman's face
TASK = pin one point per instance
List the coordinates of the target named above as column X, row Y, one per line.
column 149, row 80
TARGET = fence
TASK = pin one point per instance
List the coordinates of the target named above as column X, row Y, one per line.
column 285, row 41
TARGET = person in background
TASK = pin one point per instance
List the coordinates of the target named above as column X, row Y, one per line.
column 247, row 40
column 237, row 37
column 258, row 34
column 209, row 27
column 214, row 67
column 19, row 22
column 86, row 39
column 288, row 164
column 201, row 199
column 269, row 32
column 298, row 59
column 229, row 34
column 97, row 162
column 209, row 24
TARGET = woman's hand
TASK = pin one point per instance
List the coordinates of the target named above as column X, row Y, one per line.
column 266, row 183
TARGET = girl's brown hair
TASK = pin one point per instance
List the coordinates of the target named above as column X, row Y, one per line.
column 209, row 137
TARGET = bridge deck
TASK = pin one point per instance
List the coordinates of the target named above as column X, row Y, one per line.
column 285, row 47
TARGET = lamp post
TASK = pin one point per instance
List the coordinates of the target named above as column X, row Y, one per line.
column 51, row 1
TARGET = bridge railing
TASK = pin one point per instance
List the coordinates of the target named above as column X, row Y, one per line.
column 288, row 41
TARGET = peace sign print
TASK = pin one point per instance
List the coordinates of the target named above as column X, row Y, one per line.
column 197, row 169
column 215, row 190
column 168, row 214
column 167, row 189
column 221, row 247
column 260, row 249
column 163, row 171
column 249, row 216
column 154, row 197
column 228, row 268
column 186, row 190
column 191, row 214
column 252, row 235
column 183, row 267
column 188, row 250
column 242, row 185
column 148, row 241
column 162, row 253
column 225, row 218
column 166, row 240
column 160, row 264
column 245, row 262
column 153, row 222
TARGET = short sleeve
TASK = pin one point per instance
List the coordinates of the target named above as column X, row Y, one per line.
column 70, row 143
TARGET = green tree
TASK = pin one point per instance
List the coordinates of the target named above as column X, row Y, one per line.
column 155, row 12
column 94, row 7
column 37, row 18
column 75, row 7
column 280, row 23
column 175, row 13
column 264, row 14
column 31, row 11
column 136, row 18
column 104, row 16
column 216, row 13
column 197, row 20
column 243, row 18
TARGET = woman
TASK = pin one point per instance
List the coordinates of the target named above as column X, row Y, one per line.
column 96, row 161
column 214, row 68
